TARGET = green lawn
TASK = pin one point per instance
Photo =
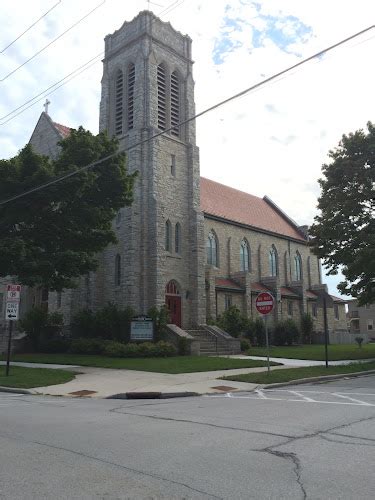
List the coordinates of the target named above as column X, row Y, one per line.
column 178, row 364
column 26, row 378
column 288, row 374
column 335, row 352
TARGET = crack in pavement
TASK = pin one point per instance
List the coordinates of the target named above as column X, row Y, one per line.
column 297, row 465
column 340, row 441
column 114, row 464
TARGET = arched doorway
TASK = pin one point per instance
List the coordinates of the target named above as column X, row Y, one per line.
column 173, row 302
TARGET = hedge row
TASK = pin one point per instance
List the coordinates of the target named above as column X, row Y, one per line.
column 110, row 348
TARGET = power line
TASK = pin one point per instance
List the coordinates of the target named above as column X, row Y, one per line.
column 53, row 41
column 29, row 28
column 207, row 110
column 166, row 10
column 43, row 93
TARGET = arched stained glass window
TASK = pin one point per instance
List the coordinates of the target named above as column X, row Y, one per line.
column 244, row 256
column 131, row 83
column 298, row 266
column 175, row 104
column 212, row 250
column 168, row 236
column 177, row 238
column 272, row 259
column 119, row 96
column 118, row 270
column 162, row 98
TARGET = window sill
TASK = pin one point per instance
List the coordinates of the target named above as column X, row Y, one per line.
column 174, row 255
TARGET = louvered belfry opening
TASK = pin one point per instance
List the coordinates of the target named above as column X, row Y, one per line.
column 131, row 83
column 119, row 96
column 175, row 104
column 162, row 98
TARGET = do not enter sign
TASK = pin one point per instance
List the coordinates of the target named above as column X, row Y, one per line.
column 264, row 303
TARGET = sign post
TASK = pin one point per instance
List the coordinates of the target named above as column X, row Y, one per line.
column 264, row 304
column 11, row 314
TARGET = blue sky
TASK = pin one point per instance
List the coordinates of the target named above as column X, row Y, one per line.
column 270, row 142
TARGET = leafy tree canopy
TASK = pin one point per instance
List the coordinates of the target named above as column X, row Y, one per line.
column 51, row 237
column 343, row 234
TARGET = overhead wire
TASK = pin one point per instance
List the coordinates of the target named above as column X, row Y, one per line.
column 29, row 28
column 166, row 10
column 52, row 41
column 207, row 110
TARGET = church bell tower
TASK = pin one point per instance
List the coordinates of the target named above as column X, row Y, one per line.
column 148, row 91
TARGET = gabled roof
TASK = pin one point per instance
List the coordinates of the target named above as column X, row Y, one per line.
column 311, row 295
column 228, row 284
column 62, row 129
column 288, row 292
column 258, row 287
column 237, row 206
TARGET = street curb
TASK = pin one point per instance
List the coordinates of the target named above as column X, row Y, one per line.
column 322, row 378
column 15, row 390
column 152, row 395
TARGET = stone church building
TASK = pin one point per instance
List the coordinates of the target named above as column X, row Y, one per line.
column 188, row 242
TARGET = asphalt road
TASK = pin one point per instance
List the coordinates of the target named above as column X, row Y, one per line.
column 315, row 442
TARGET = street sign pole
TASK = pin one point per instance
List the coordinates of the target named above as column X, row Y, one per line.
column 9, row 347
column 267, row 344
column 264, row 304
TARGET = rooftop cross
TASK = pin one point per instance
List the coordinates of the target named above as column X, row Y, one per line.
column 45, row 105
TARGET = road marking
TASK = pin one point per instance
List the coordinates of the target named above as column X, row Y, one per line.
column 303, row 397
column 260, row 393
column 352, row 399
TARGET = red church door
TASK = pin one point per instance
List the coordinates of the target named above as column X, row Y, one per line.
column 173, row 302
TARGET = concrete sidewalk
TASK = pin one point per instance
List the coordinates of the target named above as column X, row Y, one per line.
column 107, row 382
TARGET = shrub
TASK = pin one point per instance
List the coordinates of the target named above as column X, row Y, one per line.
column 259, row 332
column 164, row 349
column 160, row 317
column 40, row 326
column 232, row 321
column 183, row 346
column 110, row 322
column 88, row 346
column 307, row 327
column 359, row 341
column 285, row 332
column 115, row 349
column 83, row 324
column 245, row 345
column 57, row 345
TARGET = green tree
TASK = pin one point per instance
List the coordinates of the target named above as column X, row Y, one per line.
column 307, row 328
column 51, row 236
column 343, row 234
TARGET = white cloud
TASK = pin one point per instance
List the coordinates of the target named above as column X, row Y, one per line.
column 272, row 141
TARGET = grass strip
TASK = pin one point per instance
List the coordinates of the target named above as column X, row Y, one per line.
column 288, row 374
column 317, row 352
column 175, row 364
column 25, row 378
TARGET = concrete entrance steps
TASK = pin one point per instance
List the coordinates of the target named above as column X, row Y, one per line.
column 213, row 343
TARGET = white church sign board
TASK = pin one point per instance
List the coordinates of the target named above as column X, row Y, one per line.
column 142, row 328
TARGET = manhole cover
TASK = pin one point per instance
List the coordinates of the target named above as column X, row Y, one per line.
column 224, row 388
column 82, row 393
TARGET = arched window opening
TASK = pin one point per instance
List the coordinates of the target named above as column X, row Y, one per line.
column 212, row 250
column 177, row 238
column 131, row 83
column 244, row 256
column 273, row 261
column 171, row 288
column 175, row 104
column 168, row 236
column 119, row 94
column 298, row 266
column 162, row 98
column 118, row 270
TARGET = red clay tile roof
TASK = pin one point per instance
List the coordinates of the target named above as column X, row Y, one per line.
column 288, row 292
column 237, row 206
column 227, row 283
column 64, row 131
column 258, row 287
